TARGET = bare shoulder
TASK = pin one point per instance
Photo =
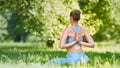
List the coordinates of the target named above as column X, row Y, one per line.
column 67, row 29
column 83, row 30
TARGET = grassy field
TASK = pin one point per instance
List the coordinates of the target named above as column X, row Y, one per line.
column 33, row 55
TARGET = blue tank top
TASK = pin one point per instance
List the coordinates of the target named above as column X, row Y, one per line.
column 76, row 29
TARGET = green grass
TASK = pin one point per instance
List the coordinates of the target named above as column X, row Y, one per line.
column 33, row 55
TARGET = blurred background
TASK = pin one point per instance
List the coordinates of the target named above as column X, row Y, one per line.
column 42, row 21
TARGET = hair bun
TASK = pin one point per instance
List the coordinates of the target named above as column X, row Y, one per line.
column 75, row 14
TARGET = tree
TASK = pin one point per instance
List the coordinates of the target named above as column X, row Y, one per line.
column 105, row 11
column 12, row 14
column 37, row 17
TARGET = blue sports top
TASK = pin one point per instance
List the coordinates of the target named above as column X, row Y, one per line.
column 76, row 29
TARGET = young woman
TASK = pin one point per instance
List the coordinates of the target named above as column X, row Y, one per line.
column 72, row 41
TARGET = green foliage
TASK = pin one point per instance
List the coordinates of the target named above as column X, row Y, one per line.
column 47, row 18
column 3, row 25
column 89, row 19
column 106, row 17
column 58, row 17
column 12, row 14
column 53, row 17
column 91, row 23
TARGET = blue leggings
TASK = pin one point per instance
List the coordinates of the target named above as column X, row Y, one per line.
column 73, row 58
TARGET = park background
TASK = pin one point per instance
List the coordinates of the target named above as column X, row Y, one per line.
column 30, row 31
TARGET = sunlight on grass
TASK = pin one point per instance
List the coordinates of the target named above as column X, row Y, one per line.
column 105, row 47
column 33, row 55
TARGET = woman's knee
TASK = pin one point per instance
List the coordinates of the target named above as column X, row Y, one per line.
column 84, row 59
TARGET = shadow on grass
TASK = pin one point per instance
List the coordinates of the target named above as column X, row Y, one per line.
column 36, row 55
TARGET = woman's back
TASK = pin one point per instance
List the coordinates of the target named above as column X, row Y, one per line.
column 71, row 37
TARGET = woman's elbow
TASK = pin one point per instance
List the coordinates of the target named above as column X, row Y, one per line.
column 92, row 45
column 61, row 47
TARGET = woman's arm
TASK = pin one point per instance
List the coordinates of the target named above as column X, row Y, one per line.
column 63, row 43
column 90, row 41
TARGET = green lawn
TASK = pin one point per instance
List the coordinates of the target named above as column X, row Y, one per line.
column 29, row 55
